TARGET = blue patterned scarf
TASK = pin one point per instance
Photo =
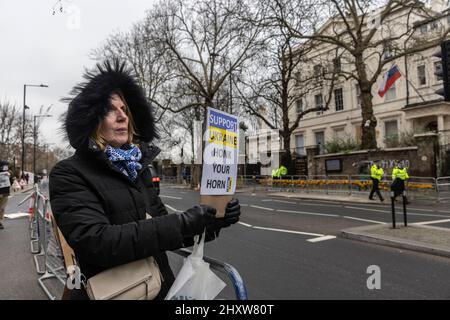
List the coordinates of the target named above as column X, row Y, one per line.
column 125, row 160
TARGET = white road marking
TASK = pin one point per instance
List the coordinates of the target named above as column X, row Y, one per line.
column 319, row 205
column 431, row 222
column 360, row 208
column 366, row 220
column 281, row 201
column 318, row 239
column 318, row 235
column 322, row 201
column 399, row 212
column 310, row 213
column 419, row 209
column 244, row 205
column 245, row 224
column 16, row 215
column 170, row 197
column 289, row 231
column 303, row 202
column 262, row 208
column 172, row 208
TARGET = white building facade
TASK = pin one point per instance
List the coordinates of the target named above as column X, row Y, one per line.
column 409, row 107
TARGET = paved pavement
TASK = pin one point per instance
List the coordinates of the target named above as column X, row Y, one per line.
column 18, row 278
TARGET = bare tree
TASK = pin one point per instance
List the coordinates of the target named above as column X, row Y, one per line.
column 369, row 35
column 278, row 81
column 10, row 130
column 145, row 58
column 207, row 41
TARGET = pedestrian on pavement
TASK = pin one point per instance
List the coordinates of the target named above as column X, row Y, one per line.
column 101, row 194
column 399, row 177
column 376, row 174
column 184, row 175
column 5, row 186
column 16, row 186
column 22, row 183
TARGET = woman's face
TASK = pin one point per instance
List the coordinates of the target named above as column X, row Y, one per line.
column 114, row 127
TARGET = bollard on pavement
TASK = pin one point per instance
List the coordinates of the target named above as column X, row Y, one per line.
column 405, row 220
column 393, row 209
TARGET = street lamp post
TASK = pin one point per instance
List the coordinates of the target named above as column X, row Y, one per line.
column 35, row 138
column 23, row 119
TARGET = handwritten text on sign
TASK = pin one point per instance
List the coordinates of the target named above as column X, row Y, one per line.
column 221, row 154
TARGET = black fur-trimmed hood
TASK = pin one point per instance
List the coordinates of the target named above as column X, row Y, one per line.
column 90, row 102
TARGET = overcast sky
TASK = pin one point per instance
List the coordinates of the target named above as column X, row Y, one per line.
column 39, row 47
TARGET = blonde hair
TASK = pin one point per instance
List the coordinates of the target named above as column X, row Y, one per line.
column 100, row 139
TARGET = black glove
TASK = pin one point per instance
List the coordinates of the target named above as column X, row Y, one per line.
column 195, row 220
column 232, row 214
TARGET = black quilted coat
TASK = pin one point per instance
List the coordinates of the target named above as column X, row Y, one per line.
column 100, row 212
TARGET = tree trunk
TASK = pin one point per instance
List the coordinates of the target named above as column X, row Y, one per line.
column 286, row 157
column 369, row 122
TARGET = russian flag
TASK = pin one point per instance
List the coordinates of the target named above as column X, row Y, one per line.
column 389, row 78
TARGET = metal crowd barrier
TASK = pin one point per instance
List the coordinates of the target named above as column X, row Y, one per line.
column 443, row 189
column 47, row 254
column 225, row 268
column 419, row 188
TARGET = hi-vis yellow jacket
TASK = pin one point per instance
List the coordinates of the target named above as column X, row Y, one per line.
column 376, row 173
column 400, row 173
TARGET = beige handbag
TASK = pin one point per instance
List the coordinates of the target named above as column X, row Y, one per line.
column 137, row 280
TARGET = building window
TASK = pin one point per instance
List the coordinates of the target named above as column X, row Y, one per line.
column 358, row 95
column 358, row 133
column 320, row 140
column 391, row 93
column 337, row 64
column 423, row 28
column 390, row 132
column 299, row 105
column 317, row 71
column 438, row 70
column 339, row 133
column 297, row 78
column 318, row 99
column 300, row 145
column 387, row 53
column 434, row 25
column 339, row 99
column 421, row 75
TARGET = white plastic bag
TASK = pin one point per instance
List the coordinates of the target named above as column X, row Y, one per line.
column 195, row 281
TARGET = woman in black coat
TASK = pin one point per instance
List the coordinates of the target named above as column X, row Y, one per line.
column 100, row 195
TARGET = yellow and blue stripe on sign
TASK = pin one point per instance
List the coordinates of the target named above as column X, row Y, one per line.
column 229, row 183
column 222, row 137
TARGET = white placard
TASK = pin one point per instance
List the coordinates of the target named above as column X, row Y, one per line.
column 4, row 180
column 220, row 157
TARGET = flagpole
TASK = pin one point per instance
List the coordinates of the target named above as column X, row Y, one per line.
column 411, row 85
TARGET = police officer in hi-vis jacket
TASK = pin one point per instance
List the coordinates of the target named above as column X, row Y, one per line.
column 376, row 174
column 399, row 176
